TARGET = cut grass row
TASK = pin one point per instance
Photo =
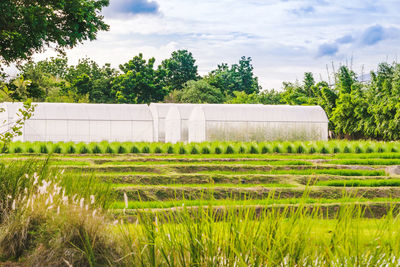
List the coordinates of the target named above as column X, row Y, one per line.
column 327, row 147
column 248, row 202
column 361, row 183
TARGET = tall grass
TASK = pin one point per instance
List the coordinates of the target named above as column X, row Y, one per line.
column 284, row 236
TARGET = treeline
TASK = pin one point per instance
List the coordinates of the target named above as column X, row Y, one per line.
column 356, row 110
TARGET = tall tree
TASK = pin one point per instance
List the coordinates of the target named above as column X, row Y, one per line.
column 138, row 83
column 29, row 26
column 239, row 77
column 177, row 70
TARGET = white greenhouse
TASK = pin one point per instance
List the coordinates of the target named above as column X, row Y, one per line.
column 257, row 123
column 85, row 122
column 171, row 121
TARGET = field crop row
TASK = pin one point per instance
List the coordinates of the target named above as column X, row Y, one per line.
column 328, row 147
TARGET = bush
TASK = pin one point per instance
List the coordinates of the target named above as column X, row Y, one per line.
column 109, row 150
column 121, row 150
column 170, row 150
column 71, row 149
column 346, row 149
column 277, row 149
column 301, row 149
column 83, row 150
column 96, row 150
column 43, row 149
column 312, row 150
column 229, row 150
column 242, row 150
column 146, row 149
column 182, row 150
column 369, row 150
column 289, row 149
column 158, row 150
column 324, row 150
column 194, row 150
column 253, row 149
column 57, row 149
column 336, row 150
column 205, row 150
column 358, row 150
column 218, row 150
column 264, row 150
column 18, row 149
column 135, row 150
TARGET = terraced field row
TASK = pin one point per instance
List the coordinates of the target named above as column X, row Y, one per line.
column 167, row 181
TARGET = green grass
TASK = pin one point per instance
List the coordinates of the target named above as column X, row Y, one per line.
column 361, row 183
column 365, row 162
column 251, row 162
column 203, row 185
column 249, row 202
column 339, row 172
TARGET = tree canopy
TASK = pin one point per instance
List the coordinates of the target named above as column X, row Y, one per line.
column 29, row 26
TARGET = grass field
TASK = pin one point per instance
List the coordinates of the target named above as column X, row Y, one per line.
column 343, row 205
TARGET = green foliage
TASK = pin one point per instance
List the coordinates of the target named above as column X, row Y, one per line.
column 176, row 71
column 28, row 28
column 199, row 92
column 239, row 77
column 138, row 83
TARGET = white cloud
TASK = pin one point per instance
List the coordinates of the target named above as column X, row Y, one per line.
column 283, row 37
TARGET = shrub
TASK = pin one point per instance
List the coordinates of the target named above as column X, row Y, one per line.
column 158, row 150
column 18, row 149
column 276, row 149
column 57, row 149
column 253, row 149
column 135, row 150
column 71, row 149
column 146, row 149
column 121, row 150
column 170, row 150
column 324, row 150
column 369, row 150
column 229, row 150
column 109, row 150
column 336, row 150
column 218, row 150
column 301, row 149
column 312, row 150
column 381, row 149
column 83, row 150
column 358, row 150
column 205, row 150
column 194, row 150
column 96, row 150
column 289, row 149
column 43, row 149
column 242, row 150
column 264, row 150
column 346, row 149
column 182, row 150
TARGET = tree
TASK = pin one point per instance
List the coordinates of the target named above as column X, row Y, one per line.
column 177, row 70
column 29, row 26
column 267, row 97
column 239, row 77
column 138, row 83
column 200, row 92
column 88, row 78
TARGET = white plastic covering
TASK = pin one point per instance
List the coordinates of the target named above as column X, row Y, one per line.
column 89, row 123
column 257, row 123
column 166, row 129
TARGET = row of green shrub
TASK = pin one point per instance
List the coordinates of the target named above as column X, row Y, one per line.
column 328, row 147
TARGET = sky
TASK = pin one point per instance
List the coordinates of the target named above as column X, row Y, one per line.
column 285, row 38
